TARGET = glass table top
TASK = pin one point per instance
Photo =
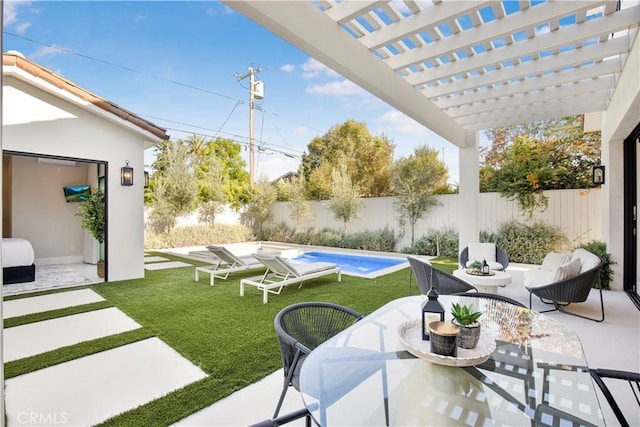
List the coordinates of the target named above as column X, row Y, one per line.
column 537, row 374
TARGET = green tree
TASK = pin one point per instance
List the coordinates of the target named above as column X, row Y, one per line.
column 212, row 192
column 176, row 187
column 416, row 179
column 259, row 208
column 224, row 154
column 234, row 170
column 367, row 159
column 526, row 159
column 300, row 207
column 345, row 198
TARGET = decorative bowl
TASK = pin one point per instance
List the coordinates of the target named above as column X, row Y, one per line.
column 410, row 334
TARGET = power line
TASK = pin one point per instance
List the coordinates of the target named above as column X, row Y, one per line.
column 271, row 146
column 133, row 70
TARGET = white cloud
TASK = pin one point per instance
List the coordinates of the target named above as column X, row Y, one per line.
column 47, row 51
column 287, row 68
column 342, row 87
column 312, row 69
column 22, row 27
column 398, row 122
column 226, row 10
column 10, row 13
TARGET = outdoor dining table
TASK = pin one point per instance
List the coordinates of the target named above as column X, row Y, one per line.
column 537, row 374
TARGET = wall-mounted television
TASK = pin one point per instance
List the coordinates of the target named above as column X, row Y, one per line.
column 76, row 193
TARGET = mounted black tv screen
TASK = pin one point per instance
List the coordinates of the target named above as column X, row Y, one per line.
column 76, row 193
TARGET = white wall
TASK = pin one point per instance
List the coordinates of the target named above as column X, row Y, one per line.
column 576, row 212
column 36, row 121
column 39, row 202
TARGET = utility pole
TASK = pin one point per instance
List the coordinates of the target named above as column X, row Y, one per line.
column 256, row 91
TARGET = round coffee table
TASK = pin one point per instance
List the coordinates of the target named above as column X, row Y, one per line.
column 488, row 284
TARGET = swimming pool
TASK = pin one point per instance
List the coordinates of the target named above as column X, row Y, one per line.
column 356, row 265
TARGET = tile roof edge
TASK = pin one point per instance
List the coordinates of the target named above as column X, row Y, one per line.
column 38, row 71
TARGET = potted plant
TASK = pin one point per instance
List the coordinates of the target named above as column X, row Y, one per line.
column 475, row 266
column 466, row 318
column 93, row 220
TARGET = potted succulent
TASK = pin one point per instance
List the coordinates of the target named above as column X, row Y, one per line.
column 93, row 220
column 466, row 318
column 475, row 266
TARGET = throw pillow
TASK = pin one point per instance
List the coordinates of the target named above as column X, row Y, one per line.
column 568, row 270
column 588, row 259
column 553, row 260
column 480, row 251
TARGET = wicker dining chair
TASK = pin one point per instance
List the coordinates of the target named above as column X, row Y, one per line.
column 496, row 297
column 632, row 378
column 428, row 276
column 302, row 327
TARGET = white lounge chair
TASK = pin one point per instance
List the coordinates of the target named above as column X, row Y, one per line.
column 227, row 263
column 282, row 272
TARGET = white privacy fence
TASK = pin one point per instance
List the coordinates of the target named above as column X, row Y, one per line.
column 576, row 212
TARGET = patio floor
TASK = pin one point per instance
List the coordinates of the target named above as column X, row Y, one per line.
column 615, row 343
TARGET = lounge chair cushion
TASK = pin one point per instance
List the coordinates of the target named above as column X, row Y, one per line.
column 587, row 259
column 537, row 277
column 302, row 269
column 480, row 251
column 567, row 270
column 553, row 260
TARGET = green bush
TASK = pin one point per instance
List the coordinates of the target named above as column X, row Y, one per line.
column 278, row 233
column 527, row 243
column 324, row 237
column 196, row 235
column 446, row 240
column 600, row 248
column 381, row 240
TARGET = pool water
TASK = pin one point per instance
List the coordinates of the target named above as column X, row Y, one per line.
column 360, row 265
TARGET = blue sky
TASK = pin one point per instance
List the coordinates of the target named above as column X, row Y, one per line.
column 174, row 63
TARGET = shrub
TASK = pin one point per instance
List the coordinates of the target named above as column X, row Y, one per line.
column 196, row 235
column 381, row 240
column 600, row 248
column 324, row 237
column 278, row 233
column 445, row 240
column 527, row 243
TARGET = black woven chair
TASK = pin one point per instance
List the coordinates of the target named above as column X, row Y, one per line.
column 632, row 378
column 501, row 257
column 492, row 297
column 428, row 276
column 570, row 291
column 304, row 326
column 286, row 419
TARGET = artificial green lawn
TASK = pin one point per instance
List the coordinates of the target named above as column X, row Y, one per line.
column 229, row 337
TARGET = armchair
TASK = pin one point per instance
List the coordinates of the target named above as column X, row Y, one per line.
column 567, row 283
column 495, row 256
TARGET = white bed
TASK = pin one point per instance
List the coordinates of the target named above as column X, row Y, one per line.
column 17, row 261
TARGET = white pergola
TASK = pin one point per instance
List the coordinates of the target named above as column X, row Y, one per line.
column 458, row 67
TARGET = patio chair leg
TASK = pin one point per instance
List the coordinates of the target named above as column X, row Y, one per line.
column 564, row 310
column 287, row 383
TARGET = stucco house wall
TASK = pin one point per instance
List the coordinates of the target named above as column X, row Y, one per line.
column 42, row 119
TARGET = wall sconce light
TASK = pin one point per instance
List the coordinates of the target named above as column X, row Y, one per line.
column 146, row 179
column 126, row 174
column 597, row 177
